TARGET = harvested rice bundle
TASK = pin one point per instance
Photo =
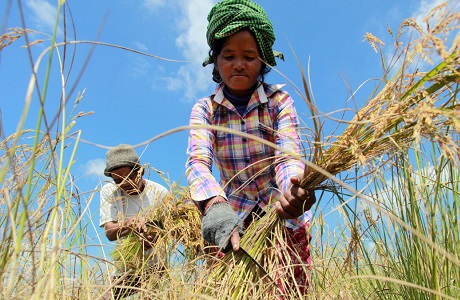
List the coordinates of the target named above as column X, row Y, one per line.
column 402, row 113
column 174, row 224
column 128, row 253
column 410, row 106
column 250, row 271
column 180, row 221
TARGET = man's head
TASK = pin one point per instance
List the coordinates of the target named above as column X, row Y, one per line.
column 123, row 165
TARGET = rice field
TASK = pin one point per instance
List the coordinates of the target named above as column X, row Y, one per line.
column 391, row 172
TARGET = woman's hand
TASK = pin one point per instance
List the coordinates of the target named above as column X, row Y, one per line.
column 295, row 200
column 221, row 225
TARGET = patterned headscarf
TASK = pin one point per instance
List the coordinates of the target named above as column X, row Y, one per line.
column 229, row 16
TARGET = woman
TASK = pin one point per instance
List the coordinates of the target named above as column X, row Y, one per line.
column 252, row 174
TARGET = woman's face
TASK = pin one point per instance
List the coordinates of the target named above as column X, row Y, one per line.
column 128, row 180
column 238, row 63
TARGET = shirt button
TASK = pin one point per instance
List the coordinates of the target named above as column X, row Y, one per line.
column 244, row 140
column 247, row 160
column 242, row 122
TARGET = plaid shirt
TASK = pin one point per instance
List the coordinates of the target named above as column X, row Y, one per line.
column 251, row 173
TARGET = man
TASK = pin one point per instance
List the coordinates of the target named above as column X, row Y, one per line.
column 124, row 199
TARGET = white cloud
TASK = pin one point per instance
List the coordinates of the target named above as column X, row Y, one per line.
column 141, row 46
column 44, row 14
column 193, row 29
column 192, row 78
column 418, row 14
column 424, row 8
column 94, row 167
column 427, row 185
column 139, row 67
column 153, row 4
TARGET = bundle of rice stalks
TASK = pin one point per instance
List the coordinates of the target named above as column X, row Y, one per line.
column 413, row 105
column 251, row 272
column 402, row 113
column 409, row 107
column 175, row 225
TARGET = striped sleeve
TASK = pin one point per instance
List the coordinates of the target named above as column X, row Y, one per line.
column 287, row 138
column 202, row 183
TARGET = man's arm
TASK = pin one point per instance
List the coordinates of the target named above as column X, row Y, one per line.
column 114, row 230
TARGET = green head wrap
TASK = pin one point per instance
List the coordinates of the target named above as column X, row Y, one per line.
column 229, row 16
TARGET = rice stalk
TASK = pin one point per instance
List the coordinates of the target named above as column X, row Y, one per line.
column 422, row 191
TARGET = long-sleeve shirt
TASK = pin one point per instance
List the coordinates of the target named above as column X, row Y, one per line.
column 250, row 172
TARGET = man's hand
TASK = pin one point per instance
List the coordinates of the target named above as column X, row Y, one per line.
column 134, row 223
column 220, row 225
column 295, row 201
column 117, row 229
column 147, row 240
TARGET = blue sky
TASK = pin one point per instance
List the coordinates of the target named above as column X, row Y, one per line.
column 134, row 98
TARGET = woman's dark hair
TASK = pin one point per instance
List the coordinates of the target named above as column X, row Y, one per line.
column 217, row 47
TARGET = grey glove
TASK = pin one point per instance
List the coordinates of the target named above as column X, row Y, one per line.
column 218, row 224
